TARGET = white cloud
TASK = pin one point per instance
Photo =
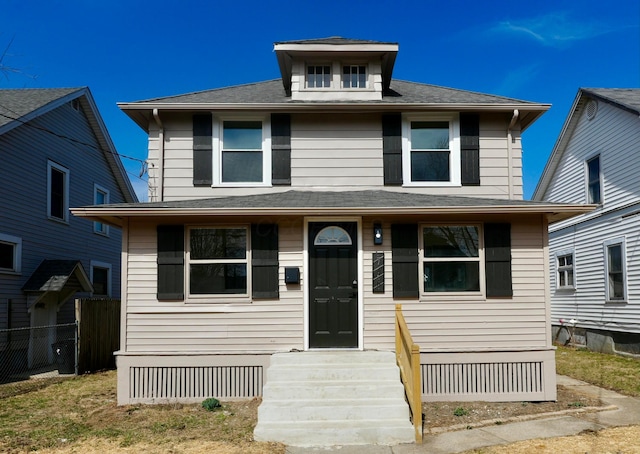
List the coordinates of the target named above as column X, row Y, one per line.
column 553, row 29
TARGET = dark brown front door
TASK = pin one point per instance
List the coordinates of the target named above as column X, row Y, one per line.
column 333, row 288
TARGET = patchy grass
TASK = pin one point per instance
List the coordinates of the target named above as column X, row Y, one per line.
column 80, row 415
column 618, row 373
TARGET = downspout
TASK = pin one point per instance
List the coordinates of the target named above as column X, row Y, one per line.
column 510, row 140
column 160, row 182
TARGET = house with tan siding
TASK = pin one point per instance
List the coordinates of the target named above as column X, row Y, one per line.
column 294, row 214
column 594, row 266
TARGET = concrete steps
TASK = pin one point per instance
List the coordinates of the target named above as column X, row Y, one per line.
column 334, row 398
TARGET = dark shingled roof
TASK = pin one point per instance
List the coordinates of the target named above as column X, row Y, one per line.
column 333, row 40
column 16, row 103
column 272, row 92
column 54, row 275
column 627, row 98
column 330, row 199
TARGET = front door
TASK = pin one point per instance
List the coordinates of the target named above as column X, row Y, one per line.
column 333, row 284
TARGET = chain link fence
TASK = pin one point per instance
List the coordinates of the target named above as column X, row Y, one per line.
column 31, row 358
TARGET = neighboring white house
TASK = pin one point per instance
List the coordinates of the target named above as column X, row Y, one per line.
column 293, row 214
column 55, row 153
column 595, row 261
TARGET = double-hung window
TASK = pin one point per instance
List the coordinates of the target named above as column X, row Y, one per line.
column 100, row 197
column 354, row 76
column 10, row 254
column 565, row 271
column 218, row 260
column 594, row 184
column 431, row 151
column 451, row 258
column 319, row 76
column 615, row 270
column 101, row 278
column 245, row 156
column 57, row 192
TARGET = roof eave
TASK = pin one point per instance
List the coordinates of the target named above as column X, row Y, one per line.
column 115, row 216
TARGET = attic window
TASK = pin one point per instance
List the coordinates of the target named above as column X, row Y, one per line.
column 354, row 76
column 75, row 104
column 591, row 109
column 318, row 76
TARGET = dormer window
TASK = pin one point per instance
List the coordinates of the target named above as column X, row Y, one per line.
column 354, row 76
column 318, row 76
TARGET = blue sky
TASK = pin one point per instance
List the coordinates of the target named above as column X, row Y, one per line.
column 132, row 50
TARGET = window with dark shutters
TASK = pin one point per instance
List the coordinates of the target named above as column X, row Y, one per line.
column 170, row 262
column 470, row 149
column 202, row 150
column 281, row 149
column 404, row 251
column 497, row 253
column 392, row 149
column 264, row 260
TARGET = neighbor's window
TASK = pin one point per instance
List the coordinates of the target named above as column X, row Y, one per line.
column 218, row 260
column 10, row 254
column 354, row 76
column 100, row 197
column 565, row 271
column 451, row 258
column 57, row 192
column 615, row 270
column 101, row 278
column 242, row 154
column 318, row 76
column 593, row 180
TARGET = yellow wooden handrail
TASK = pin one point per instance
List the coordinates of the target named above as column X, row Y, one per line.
column 408, row 360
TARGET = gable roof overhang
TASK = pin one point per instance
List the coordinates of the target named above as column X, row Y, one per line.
column 20, row 106
column 331, row 203
column 627, row 99
column 287, row 51
column 57, row 281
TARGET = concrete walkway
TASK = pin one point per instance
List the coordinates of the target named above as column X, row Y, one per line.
column 627, row 412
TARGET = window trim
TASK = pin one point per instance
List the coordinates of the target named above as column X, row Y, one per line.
column 216, row 297
column 623, row 249
column 17, row 253
column 455, row 171
column 100, row 228
column 337, row 76
column 557, row 256
column 218, row 148
column 588, row 183
column 65, row 209
column 109, row 268
column 351, row 65
column 480, row 260
column 307, row 65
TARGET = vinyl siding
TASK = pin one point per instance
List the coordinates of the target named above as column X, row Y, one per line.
column 262, row 326
column 338, row 151
column 23, row 200
column 587, row 303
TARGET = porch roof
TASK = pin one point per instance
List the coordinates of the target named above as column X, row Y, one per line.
column 310, row 203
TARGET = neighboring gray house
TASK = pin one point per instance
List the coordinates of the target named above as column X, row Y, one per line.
column 595, row 261
column 55, row 152
column 293, row 214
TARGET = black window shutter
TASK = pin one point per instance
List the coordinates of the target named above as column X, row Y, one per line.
column 202, row 150
column 497, row 256
column 392, row 149
column 281, row 149
column 170, row 262
column 470, row 149
column 404, row 257
column 264, row 260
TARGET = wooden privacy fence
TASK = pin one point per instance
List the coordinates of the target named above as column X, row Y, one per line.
column 98, row 333
column 408, row 359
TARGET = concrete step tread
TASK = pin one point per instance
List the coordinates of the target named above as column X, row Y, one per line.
column 361, row 401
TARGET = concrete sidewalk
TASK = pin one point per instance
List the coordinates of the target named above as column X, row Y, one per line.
column 627, row 412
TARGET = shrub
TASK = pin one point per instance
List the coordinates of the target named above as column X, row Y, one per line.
column 211, row 404
column 460, row 411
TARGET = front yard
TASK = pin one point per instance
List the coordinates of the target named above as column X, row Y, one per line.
column 80, row 415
